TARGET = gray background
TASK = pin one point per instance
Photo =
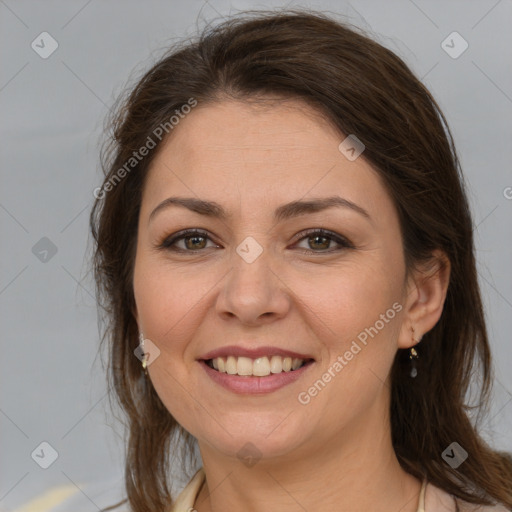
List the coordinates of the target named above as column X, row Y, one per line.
column 52, row 110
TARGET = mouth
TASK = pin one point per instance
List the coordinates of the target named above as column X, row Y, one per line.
column 258, row 367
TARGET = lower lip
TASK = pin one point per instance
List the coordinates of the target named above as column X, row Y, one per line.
column 255, row 385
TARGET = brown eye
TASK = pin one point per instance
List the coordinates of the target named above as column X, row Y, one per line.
column 194, row 240
column 319, row 240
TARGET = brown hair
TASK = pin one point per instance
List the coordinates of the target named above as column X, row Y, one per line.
column 363, row 89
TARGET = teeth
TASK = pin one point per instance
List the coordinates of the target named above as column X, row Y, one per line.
column 276, row 364
column 244, row 366
column 231, row 366
column 296, row 363
column 260, row 367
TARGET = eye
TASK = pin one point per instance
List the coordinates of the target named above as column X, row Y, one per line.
column 321, row 238
column 195, row 240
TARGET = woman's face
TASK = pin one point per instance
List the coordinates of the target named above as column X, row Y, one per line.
column 250, row 282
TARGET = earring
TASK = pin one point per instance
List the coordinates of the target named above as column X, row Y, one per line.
column 413, row 355
column 144, row 357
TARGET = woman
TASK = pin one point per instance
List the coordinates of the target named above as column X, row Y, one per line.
column 284, row 253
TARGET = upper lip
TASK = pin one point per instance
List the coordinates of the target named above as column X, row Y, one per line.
column 253, row 353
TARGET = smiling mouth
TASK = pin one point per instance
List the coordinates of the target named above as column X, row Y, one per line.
column 259, row 367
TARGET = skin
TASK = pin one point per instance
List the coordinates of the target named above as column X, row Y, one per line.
column 334, row 453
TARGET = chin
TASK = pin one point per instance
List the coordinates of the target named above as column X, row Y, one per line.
column 264, row 436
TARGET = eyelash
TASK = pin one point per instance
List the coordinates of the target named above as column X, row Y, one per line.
column 167, row 243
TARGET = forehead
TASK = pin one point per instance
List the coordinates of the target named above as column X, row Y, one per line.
column 235, row 128
column 282, row 149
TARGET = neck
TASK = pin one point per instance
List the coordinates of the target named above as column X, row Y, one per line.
column 355, row 470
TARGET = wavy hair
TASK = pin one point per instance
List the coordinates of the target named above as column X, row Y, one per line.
column 362, row 88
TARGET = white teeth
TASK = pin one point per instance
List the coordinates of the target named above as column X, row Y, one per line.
column 244, row 366
column 260, row 367
column 231, row 366
column 276, row 364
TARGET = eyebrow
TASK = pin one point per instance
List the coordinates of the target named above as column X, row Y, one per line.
column 283, row 212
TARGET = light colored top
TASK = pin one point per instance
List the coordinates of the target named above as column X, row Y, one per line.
column 69, row 497
column 431, row 499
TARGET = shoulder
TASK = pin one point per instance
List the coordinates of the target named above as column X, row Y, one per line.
column 438, row 500
column 188, row 495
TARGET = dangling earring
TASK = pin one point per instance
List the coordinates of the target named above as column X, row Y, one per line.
column 413, row 356
column 144, row 358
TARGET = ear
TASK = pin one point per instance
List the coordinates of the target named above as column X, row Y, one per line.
column 424, row 298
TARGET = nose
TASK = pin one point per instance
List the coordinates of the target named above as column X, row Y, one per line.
column 253, row 292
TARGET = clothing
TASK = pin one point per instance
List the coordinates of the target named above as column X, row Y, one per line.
column 69, row 497
column 431, row 499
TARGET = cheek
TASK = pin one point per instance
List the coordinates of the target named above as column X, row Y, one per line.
column 165, row 304
column 338, row 301
column 360, row 313
column 351, row 299
column 361, row 306
column 166, row 298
